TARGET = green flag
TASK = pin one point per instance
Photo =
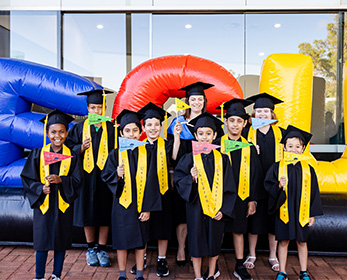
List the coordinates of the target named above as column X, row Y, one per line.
column 231, row 145
column 95, row 118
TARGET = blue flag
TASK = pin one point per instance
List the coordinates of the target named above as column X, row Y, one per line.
column 127, row 144
column 258, row 123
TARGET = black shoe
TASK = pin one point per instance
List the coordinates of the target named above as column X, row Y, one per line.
column 133, row 269
column 162, row 268
column 216, row 272
column 122, row 278
column 241, row 273
column 181, row 263
column 139, row 278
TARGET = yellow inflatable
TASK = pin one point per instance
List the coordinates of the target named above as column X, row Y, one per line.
column 290, row 78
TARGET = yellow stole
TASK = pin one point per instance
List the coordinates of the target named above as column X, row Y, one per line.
column 126, row 198
column 252, row 137
column 211, row 200
column 63, row 171
column 245, row 174
column 304, row 211
column 162, row 166
column 222, row 144
column 88, row 161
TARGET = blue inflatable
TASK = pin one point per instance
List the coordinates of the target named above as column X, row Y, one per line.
column 21, row 84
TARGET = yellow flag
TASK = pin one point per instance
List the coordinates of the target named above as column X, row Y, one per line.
column 180, row 105
column 291, row 157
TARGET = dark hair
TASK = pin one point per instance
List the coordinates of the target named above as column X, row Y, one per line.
column 66, row 126
column 144, row 121
column 137, row 124
column 188, row 111
column 300, row 140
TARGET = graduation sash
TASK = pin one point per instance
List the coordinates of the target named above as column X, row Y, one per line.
column 252, row 137
column 88, row 161
column 304, row 211
column 162, row 166
column 211, row 200
column 126, row 198
column 245, row 174
column 63, row 171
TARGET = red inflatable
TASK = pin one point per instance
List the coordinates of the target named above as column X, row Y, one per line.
column 160, row 78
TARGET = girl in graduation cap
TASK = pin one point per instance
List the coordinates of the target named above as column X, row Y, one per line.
column 51, row 191
column 249, row 179
column 132, row 201
column 267, row 140
column 94, row 205
column 205, row 181
column 179, row 132
column 294, row 199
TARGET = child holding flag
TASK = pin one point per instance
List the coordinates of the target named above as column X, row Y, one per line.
column 132, row 201
column 51, row 190
column 248, row 178
column 294, row 198
column 205, row 181
column 267, row 139
column 94, row 205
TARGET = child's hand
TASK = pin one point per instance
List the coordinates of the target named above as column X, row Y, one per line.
column 120, row 170
column 46, row 189
column 258, row 149
column 144, row 216
column 194, row 173
column 311, row 221
column 218, row 217
column 53, row 179
column 283, row 181
column 177, row 129
column 252, row 208
column 85, row 145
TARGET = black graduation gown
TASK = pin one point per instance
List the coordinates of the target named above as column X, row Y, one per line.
column 266, row 143
column 52, row 231
column 292, row 230
column 160, row 223
column 204, row 233
column 94, row 205
column 128, row 232
column 240, row 223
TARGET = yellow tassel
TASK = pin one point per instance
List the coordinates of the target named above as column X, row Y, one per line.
column 222, row 114
column 103, row 102
column 165, row 126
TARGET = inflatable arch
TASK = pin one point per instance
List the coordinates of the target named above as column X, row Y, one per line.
column 21, row 84
column 160, row 78
column 290, row 78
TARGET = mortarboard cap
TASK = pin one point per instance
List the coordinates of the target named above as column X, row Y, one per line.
column 294, row 132
column 126, row 116
column 153, row 111
column 57, row 116
column 264, row 100
column 236, row 107
column 95, row 96
column 206, row 120
column 196, row 88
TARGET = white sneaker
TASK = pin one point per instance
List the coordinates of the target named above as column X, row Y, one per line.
column 54, row 277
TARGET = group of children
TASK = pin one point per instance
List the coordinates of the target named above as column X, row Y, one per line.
column 244, row 191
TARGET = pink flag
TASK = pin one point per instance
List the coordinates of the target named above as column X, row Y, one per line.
column 51, row 158
column 202, row 147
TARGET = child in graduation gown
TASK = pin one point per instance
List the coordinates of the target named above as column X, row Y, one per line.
column 51, row 191
column 295, row 199
column 249, row 179
column 94, row 205
column 130, row 226
column 267, row 140
column 205, row 218
column 159, row 159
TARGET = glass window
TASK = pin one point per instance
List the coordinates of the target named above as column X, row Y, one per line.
column 219, row 38
column 95, row 47
column 33, row 36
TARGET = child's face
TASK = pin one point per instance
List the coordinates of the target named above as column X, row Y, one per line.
column 235, row 125
column 95, row 109
column 294, row 145
column 131, row 131
column 196, row 102
column 205, row 134
column 152, row 127
column 57, row 133
column 263, row 113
